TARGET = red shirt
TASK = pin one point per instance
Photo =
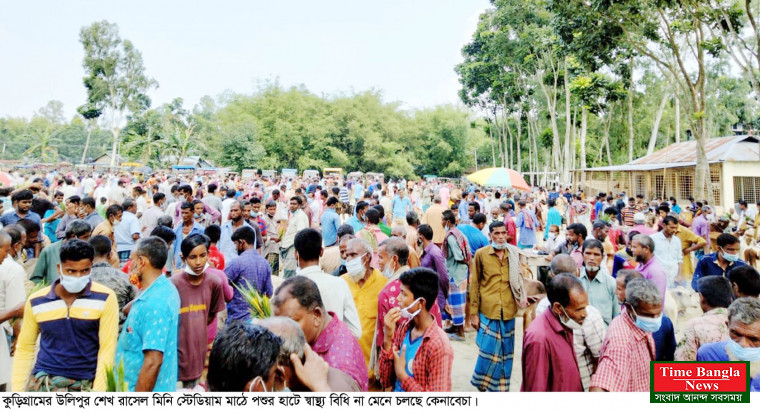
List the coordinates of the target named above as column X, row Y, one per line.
column 216, row 257
column 624, row 359
column 511, row 229
column 387, row 300
column 548, row 362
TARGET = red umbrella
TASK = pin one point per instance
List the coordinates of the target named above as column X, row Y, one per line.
column 5, row 179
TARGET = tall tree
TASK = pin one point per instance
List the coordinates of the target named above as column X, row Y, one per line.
column 116, row 82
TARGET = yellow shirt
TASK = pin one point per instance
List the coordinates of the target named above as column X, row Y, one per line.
column 365, row 298
column 490, row 291
column 434, row 217
column 688, row 238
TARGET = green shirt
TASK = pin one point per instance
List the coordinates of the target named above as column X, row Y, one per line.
column 46, row 268
column 384, row 229
column 601, row 293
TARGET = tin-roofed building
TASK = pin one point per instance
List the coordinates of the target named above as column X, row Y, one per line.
column 734, row 163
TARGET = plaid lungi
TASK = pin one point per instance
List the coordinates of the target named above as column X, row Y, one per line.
column 274, row 262
column 42, row 382
column 495, row 340
column 457, row 299
column 288, row 259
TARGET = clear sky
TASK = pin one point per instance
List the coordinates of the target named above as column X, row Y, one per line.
column 406, row 48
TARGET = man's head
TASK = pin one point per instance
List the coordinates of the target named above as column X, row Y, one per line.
column 88, row 203
column 669, row 226
column 358, row 259
column 600, row 230
column 393, row 253
column 79, row 229
column 563, row 263
column 294, row 204
column 343, row 245
column 243, row 358
column 187, row 210
column 498, row 234
column 298, row 298
column 479, row 221
column 644, row 304
column 149, row 255
column 76, row 262
column 728, row 247
column 213, row 232
column 398, row 231
column 449, row 220
column 642, row 248
column 639, row 218
column 419, row 289
column 623, row 278
column 745, row 281
column 345, row 229
column 293, row 342
column 32, row 230
column 22, row 200
column 186, row 192
column 246, row 210
column 255, row 207
column 244, row 239
column 593, row 252
column 425, row 233
column 412, row 219
column 714, row 292
column 5, row 245
column 236, row 211
column 194, row 250
column 744, row 328
column 308, row 245
column 568, row 300
column 102, row 247
column 576, row 234
column 361, row 209
column 129, row 205
column 18, row 238
column 372, row 216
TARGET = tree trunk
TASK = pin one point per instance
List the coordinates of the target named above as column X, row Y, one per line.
column 584, row 120
column 551, row 105
column 87, row 142
column 493, row 150
column 678, row 116
column 630, row 112
column 115, row 150
column 519, row 138
column 568, row 130
column 656, row 124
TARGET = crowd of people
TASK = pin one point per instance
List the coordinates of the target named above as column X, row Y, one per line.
column 370, row 283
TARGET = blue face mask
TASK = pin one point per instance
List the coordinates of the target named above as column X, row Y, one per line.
column 729, row 257
column 647, row 324
column 342, row 262
column 744, row 353
column 74, row 285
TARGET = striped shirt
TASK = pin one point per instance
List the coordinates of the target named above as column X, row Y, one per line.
column 76, row 342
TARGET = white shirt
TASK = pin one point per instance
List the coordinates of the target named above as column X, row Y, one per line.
column 336, row 297
column 12, row 293
column 226, row 206
column 669, row 253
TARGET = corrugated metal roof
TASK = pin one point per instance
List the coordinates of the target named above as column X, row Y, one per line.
column 730, row 148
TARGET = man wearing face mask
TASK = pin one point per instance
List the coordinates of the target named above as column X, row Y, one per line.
column 336, row 295
column 744, row 342
column 357, row 221
column 365, row 283
column 75, row 345
column 629, row 348
column 416, row 355
column 148, row 341
column 720, row 262
column 549, row 362
column 597, row 282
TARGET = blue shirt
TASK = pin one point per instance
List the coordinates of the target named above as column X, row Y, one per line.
column 665, row 341
column 123, row 232
column 527, row 235
column 708, row 265
column 12, row 218
column 412, row 346
column 355, row 224
column 177, row 245
column 476, row 238
column 225, row 244
column 717, row 352
column 598, row 208
column 252, row 269
column 152, row 324
column 51, row 226
column 401, row 206
column 358, row 191
column 553, row 217
column 330, row 222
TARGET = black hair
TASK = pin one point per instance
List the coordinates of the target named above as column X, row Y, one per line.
column 727, row 239
column 449, row 216
column 297, row 199
column 332, row 201
column 716, row 291
column 113, row 210
column 28, row 225
column 23, row 195
column 76, row 250
column 15, row 232
column 231, row 193
column 380, row 210
column 89, row 201
column 186, row 205
column 246, row 234
column 474, row 205
column 308, row 244
column 211, row 188
column 345, row 229
column 479, row 218
column 426, row 231
column 194, row 240
column 496, row 224
column 304, row 290
column 165, row 233
column 361, row 205
column 593, row 243
column 241, row 352
column 372, row 216
column 213, row 232
column 78, row 228
column 670, row 220
column 747, row 280
column 101, row 245
column 185, row 188
column 255, row 200
column 157, row 197
column 578, row 229
column 560, row 286
column 423, row 283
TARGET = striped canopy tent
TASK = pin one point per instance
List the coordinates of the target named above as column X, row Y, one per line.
column 499, row 178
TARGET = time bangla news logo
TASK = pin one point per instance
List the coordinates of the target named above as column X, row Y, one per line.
column 699, row 382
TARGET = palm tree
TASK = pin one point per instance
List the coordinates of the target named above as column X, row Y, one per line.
column 45, row 135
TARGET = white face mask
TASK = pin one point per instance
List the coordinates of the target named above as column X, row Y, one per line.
column 116, row 222
column 569, row 323
column 388, row 270
column 190, row 271
column 405, row 311
column 356, row 269
column 74, row 285
column 253, row 384
column 552, row 236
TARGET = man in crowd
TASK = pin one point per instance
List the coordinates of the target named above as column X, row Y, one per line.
column 642, row 249
column 90, row 212
column 46, row 269
column 235, row 222
column 474, row 232
column 365, row 284
column 149, row 218
column 744, row 334
column 243, row 358
column 496, row 292
column 248, row 269
column 72, row 213
column 187, row 228
column 127, row 232
column 745, row 281
column 416, row 354
column 297, row 222
column 549, row 359
column 667, row 247
column 330, row 222
column 710, row 327
column 628, row 347
column 298, row 298
column 22, row 202
column 335, row 293
column 573, row 244
column 526, row 223
column 401, row 206
column 433, row 217
column 68, row 359
column 553, row 217
column 12, row 297
column 186, row 195
column 597, row 282
column 457, row 252
column 148, row 342
column 103, row 273
column 432, row 257
column 721, row 262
